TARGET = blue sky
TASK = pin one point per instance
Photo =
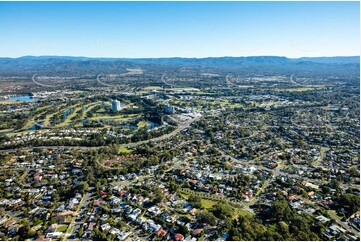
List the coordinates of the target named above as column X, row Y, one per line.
column 179, row 29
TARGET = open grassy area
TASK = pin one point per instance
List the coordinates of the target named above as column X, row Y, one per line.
column 5, row 130
column 42, row 108
column 125, row 150
column 301, row 89
column 100, row 111
column 29, row 124
column 69, row 118
column 209, row 203
column 35, row 119
column 241, row 212
column 142, row 124
column 182, row 88
column 118, row 117
column 88, row 107
column 13, row 101
column 46, row 122
column 206, row 203
column 203, row 93
column 62, row 228
column 7, row 102
column 47, row 119
column 76, row 92
column 149, row 88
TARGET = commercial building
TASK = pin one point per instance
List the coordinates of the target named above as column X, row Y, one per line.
column 168, row 109
column 116, row 105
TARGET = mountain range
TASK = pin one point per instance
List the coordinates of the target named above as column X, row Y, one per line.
column 258, row 63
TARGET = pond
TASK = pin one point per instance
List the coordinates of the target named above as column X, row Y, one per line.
column 24, row 98
column 36, row 126
column 152, row 125
column 67, row 112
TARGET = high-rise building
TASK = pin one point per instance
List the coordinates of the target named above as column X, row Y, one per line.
column 168, row 109
column 116, row 105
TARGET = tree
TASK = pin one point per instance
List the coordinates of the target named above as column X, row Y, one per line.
column 283, row 227
column 158, row 196
column 80, row 232
column 195, row 201
column 235, row 238
column 281, row 210
column 174, row 186
column 354, row 172
column 83, row 186
column 207, row 217
column 222, row 211
column 103, row 236
column 351, row 202
column 183, row 230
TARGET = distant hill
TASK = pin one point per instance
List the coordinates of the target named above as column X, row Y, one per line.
column 255, row 63
column 332, row 60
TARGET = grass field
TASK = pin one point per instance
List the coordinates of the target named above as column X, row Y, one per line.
column 28, row 124
column 35, row 119
column 118, row 117
column 12, row 101
column 142, row 124
column 5, row 130
column 301, row 89
column 201, row 93
column 241, row 212
column 42, row 108
column 69, row 118
column 206, row 203
column 149, row 88
column 88, row 107
column 46, row 122
column 125, row 150
column 47, row 119
column 61, row 228
column 182, row 88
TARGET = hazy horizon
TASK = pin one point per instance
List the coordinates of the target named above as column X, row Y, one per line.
column 120, row 57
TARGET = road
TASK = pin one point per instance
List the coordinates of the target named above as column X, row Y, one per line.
column 323, row 150
column 74, row 225
column 342, row 224
column 276, row 172
column 167, row 83
column 230, row 82
column 50, row 147
column 181, row 127
column 336, row 218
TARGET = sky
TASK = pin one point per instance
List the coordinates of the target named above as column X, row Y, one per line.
column 179, row 29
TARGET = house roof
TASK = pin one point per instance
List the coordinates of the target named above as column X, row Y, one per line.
column 179, row 237
column 193, row 181
column 161, row 232
column 42, row 238
column 197, row 232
